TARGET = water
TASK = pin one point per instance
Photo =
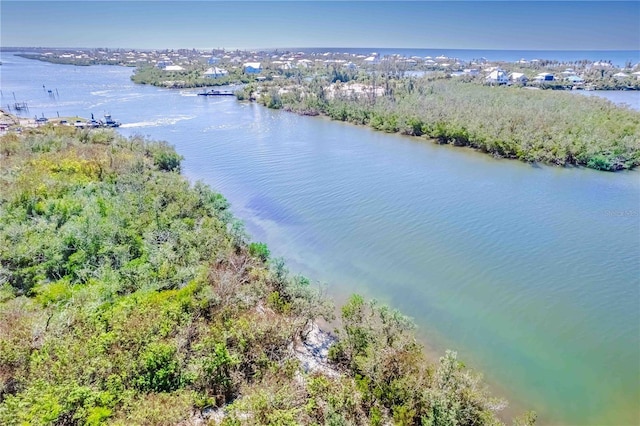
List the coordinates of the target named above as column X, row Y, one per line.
column 531, row 273
column 630, row 99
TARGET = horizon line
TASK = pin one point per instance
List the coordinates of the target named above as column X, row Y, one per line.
column 5, row 48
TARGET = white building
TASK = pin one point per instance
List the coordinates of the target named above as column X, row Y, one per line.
column 498, row 77
column 518, row 77
column 252, row 67
column 621, row 75
column 544, row 76
column 215, row 72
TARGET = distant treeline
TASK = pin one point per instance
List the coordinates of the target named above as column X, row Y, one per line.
column 185, row 79
column 74, row 61
column 130, row 296
column 530, row 125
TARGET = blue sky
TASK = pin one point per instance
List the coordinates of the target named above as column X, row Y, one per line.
column 544, row 25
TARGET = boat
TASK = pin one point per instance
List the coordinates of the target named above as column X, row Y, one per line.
column 110, row 122
column 216, row 93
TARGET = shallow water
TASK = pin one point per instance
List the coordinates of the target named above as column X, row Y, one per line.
column 531, row 273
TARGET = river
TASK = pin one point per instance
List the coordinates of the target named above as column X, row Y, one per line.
column 532, row 273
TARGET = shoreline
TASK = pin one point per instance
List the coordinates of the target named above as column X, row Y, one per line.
column 265, row 305
column 612, row 152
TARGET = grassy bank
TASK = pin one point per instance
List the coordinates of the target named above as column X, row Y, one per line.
column 529, row 125
column 129, row 296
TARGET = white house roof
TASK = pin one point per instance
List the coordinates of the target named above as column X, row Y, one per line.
column 216, row 71
column 255, row 65
column 173, row 68
column 497, row 75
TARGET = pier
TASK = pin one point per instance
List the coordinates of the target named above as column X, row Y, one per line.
column 19, row 106
column 217, row 93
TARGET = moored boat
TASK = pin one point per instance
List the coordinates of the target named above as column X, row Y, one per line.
column 216, row 93
column 110, row 122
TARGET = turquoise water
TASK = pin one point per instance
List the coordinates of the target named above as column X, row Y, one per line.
column 531, row 273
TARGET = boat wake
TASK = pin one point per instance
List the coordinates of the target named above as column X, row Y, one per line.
column 158, row 122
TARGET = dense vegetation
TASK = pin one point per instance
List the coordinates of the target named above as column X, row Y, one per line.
column 185, row 79
column 509, row 122
column 73, row 60
column 129, row 296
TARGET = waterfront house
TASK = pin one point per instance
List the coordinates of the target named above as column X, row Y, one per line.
column 252, row 67
column 215, row 72
column 574, row 79
column 497, row 77
column 544, row 76
column 518, row 77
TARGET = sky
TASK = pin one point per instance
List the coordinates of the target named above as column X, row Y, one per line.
column 518, row 25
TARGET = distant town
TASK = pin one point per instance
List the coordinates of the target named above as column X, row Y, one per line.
column 182, row 68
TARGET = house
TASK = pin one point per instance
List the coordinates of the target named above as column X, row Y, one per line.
column 373, row 59
column 544, row 76
column 252, row 67
column 497, row 77
column 173, row 68
column 215, row 72
column 518, row 77
column 213, row 60
column 574, row 79
column 620, row 75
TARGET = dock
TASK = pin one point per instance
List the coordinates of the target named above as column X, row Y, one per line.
column 217, row 93
column 18, row 106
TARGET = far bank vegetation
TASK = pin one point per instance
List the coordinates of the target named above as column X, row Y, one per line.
column 530, row 125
